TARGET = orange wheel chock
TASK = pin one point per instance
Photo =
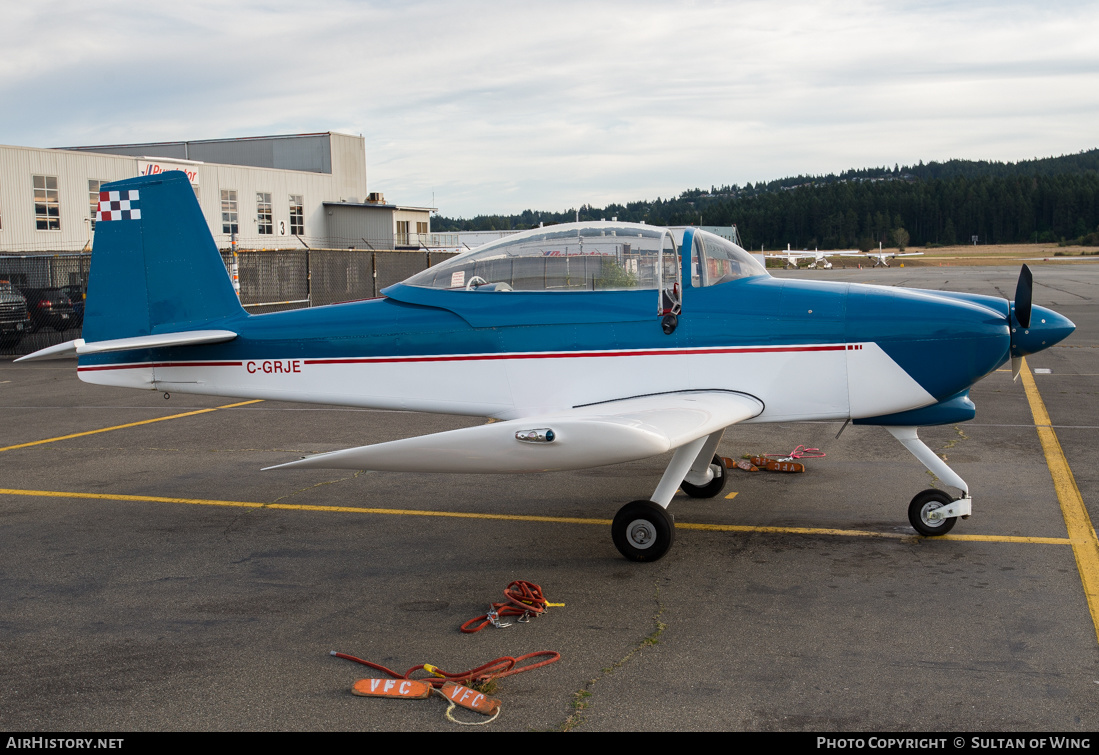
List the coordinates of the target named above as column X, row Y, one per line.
column 470, row 699
column 404, row 689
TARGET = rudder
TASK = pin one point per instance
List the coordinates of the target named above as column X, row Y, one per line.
column 155, row 267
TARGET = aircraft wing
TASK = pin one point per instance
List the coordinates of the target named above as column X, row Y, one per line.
column 879, row 255
column 582, row 437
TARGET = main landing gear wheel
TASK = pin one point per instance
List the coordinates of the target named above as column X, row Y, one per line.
column 643, row 531
column 714, row 486
column 923, row 504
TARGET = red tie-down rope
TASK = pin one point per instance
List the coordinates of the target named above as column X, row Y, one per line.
column 801, row 452
column 524, row 599
column 497, row 669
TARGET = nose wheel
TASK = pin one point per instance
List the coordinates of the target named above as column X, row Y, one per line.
column 643, row 531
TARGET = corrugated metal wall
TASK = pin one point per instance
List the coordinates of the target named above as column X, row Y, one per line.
column 308, row 152
column 359, row 227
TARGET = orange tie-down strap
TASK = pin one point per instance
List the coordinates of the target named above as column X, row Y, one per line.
column 405, row 689
column 470, row 699
column 496, row 669
column 413, row 689
column 756, row 463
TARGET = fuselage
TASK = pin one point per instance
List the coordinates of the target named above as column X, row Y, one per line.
column 806, row 349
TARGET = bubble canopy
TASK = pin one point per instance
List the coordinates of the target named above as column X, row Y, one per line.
column 601, row 256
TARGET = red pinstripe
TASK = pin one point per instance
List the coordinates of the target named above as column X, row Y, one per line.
column 491, row 357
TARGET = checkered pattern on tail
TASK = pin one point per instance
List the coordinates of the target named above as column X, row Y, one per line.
column 119, row 205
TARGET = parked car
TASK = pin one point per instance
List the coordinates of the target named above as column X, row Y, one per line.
column 76, row 296
column 48, row 307
column 13, row 315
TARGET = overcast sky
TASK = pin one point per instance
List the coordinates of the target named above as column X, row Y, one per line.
column 498, row 107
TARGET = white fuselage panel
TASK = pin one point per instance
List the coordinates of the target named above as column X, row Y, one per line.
column 797, row 382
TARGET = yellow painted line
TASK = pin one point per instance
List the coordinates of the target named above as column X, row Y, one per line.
column 520, row 517
column 129, row 424
column 1085, row 545
column 868, row 533
column 1008, row 539
column 295, row 507
column 730, row 497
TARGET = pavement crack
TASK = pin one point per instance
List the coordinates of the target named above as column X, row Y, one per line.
column 954, row 441
column 317, row 485
column 582, row 698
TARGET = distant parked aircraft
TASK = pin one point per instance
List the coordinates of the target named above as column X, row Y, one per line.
column 881, row 258
column 819, row 258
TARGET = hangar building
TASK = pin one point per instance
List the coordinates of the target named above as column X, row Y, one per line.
column 297, row 191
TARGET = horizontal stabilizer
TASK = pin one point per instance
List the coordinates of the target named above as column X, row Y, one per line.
column 580, row 438
column 79, row 346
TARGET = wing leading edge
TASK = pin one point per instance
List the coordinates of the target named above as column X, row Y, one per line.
column 584, row 437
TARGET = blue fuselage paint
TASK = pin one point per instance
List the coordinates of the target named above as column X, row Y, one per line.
column 946, row 343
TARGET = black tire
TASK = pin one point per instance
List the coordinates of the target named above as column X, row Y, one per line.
column 924, row 502
column 714, row 486
column 643, row 531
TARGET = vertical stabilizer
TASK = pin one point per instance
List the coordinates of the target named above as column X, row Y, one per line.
column 155, row 267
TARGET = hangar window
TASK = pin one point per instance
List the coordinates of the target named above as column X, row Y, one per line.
column 402, row 233
column 47, row 207
column 93, row 200
column 297, row 215
column 266, row 225
column 229, row 211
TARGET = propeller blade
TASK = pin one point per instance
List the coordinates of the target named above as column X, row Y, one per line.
column 1024, row 296
column 1016, row 368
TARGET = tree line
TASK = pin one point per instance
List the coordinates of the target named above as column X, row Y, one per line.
column 1047, row 200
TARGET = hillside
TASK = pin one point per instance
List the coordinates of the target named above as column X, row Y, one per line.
column 1044, row 200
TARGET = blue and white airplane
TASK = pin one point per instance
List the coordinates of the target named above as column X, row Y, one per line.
column 589, row 343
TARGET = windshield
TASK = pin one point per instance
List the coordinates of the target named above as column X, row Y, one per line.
column 569, row 257
column 722, row 261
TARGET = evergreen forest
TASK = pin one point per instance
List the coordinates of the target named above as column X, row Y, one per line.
column 1045, row 200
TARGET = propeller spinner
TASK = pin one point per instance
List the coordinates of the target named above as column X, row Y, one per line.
column 1032, row 328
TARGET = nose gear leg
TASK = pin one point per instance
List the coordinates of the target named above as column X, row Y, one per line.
column 932, row 514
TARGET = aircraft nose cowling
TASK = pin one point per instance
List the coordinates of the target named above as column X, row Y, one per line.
column 945, row 344
column 1046, row 329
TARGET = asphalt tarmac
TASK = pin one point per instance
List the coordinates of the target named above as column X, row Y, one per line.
column 138, row 593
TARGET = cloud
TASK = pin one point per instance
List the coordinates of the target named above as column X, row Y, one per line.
column 497, row 107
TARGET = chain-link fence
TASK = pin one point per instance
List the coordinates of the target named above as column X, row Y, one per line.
column 269, row 281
